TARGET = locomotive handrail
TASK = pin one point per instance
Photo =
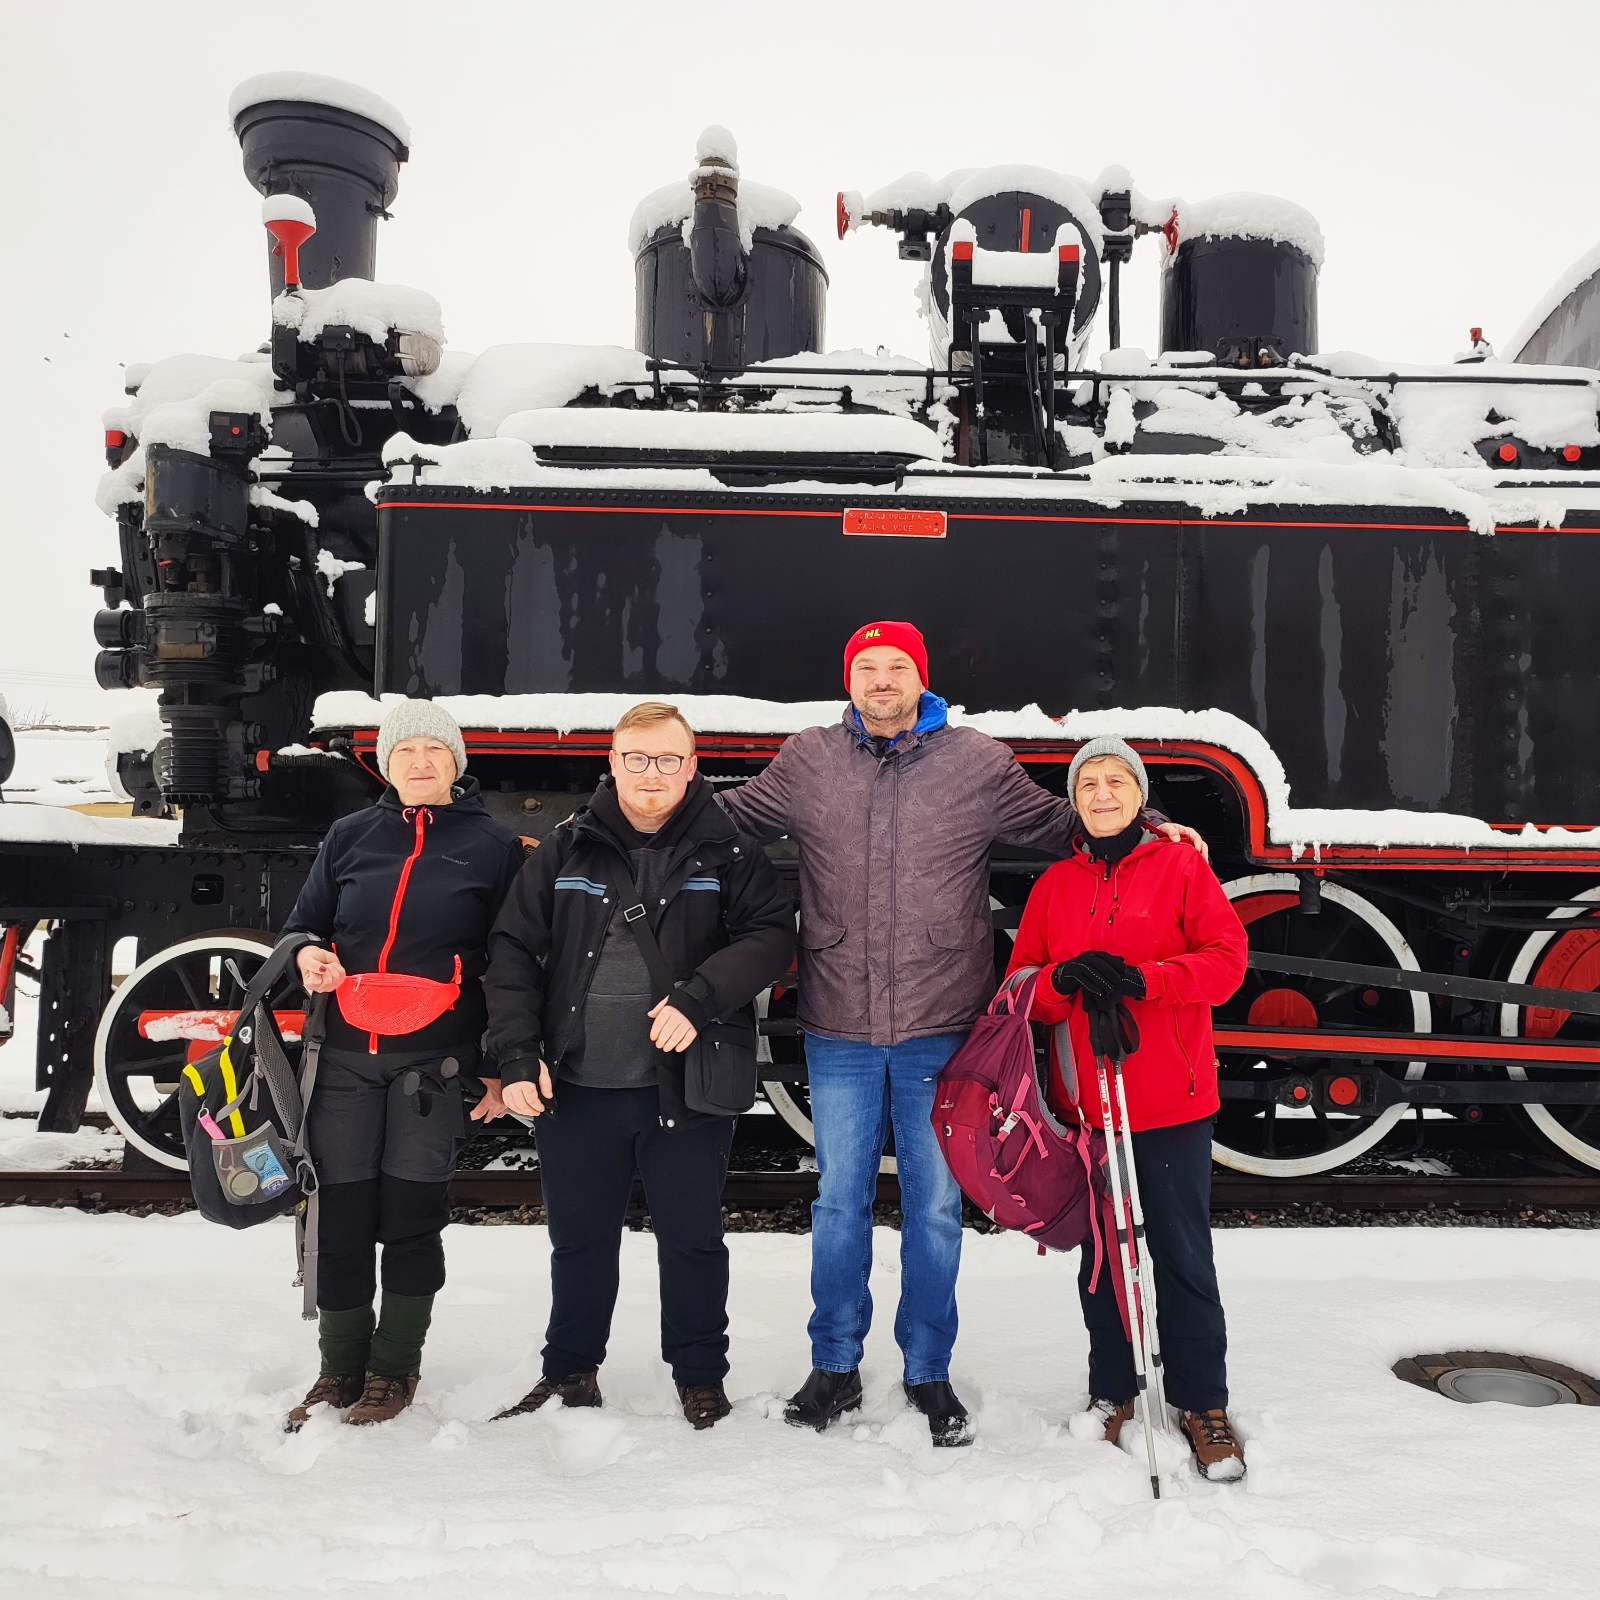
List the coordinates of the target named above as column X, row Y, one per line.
column 1218, row 375
column 1450, row 984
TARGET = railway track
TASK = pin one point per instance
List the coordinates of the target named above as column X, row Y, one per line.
column 1231, row 1192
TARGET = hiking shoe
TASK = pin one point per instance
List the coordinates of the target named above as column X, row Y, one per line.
column 704, row 1404
column 330, row 1389
column 948, row 1422
column 823, row 1397
column 382, row 1400
column 1217, row 1453
column 579, row 1389
column 1113, row 1417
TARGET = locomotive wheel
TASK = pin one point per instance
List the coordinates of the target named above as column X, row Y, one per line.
column 1276, row 1140
column 1563, row 961
column 137, row 1077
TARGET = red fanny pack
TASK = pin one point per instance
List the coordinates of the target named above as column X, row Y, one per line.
column 395, row 1002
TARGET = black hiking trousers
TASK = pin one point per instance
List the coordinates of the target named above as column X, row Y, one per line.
column 1174, row 1167
column 385, row 1132
column 591, row 1143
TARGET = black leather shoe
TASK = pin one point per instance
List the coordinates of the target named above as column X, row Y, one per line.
column 823, row 1397
column 948, row 1422
column 581, row 1389
column 704, row 1404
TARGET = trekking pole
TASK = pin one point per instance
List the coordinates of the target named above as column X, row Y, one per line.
column 1147, row 1276
column 1116, row 1155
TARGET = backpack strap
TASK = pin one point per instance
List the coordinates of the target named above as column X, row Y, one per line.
column 1018, row 991
column 308, row 1216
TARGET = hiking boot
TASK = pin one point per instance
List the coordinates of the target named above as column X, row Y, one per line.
column 382, row 1400
column 1113, row 1417
column 948, row 1422
column 1217, row 1453
column 704, row 1404
column 580, row 1389
column 823, row 1397
column 330, row 1389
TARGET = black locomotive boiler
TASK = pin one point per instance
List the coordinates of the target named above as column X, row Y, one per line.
column 1342, row 605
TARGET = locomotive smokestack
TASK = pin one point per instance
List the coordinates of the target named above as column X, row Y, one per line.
column 716, row 257
column 339, row 148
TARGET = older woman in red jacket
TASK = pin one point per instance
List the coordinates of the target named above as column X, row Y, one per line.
column 1128, row 920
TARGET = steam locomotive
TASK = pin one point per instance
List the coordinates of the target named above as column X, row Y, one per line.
column 1343, row 607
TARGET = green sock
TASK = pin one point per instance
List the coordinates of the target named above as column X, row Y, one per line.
column 402, row 1327
column 343, row 1338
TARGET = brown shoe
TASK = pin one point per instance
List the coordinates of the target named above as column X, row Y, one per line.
column 382, row 1400
column 1113, row 1416
column 328, row 1390
column 581, row 1389
column 704, row 1404
column 1217, row 1453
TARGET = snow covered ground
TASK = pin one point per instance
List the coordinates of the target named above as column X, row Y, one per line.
column 148, row 1362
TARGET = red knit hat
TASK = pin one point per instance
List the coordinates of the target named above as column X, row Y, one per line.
column 897, row 635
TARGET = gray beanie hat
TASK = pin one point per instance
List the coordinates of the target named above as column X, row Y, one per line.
column 1108, row 744
column 419, row 719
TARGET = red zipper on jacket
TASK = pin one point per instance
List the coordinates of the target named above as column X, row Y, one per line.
column 424, row 816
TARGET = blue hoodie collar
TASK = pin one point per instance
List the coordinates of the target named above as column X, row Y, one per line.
column 933, row 713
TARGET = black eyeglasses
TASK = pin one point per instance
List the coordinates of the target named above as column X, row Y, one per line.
column 638, row 761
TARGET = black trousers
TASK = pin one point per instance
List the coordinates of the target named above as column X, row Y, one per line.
column 591, row 1144
column 385, row 1132
column 1174, row 1168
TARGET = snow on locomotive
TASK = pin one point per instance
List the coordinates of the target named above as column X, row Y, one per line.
column 1342, row 606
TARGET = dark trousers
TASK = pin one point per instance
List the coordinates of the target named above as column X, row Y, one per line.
column 385, row 1132
column 1174, row 1168
column 407, row 1219
column 590, row 1145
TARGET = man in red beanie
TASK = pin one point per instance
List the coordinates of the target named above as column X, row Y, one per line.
column 894, row 812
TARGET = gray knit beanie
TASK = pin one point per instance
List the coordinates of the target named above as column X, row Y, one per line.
column 1108, row 744
column 419, row 719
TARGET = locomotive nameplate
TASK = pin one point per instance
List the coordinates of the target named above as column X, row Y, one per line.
column 894, row 524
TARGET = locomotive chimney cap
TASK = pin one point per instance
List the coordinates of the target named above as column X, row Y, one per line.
column 314, row 88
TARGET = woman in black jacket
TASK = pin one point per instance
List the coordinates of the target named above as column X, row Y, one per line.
column 410, row 886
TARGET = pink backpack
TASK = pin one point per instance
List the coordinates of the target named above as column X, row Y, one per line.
column 1013, row 1160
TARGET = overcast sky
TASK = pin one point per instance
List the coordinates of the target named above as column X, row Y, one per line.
column 1448, row 150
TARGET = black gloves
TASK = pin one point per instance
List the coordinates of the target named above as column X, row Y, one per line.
column 1097, row 975
column 1112, row 1031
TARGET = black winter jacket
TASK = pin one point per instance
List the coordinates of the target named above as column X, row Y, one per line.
column 723, row 918
column 360, row 893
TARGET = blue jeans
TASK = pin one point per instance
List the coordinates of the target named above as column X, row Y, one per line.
column 857, row 1092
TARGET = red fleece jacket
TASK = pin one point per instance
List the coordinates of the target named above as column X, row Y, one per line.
column 1162, row 910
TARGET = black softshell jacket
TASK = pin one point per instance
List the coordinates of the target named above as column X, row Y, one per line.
column 425, row 882
column 722, row 916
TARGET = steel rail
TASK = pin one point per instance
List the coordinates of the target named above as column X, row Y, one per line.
column 1230, row 1191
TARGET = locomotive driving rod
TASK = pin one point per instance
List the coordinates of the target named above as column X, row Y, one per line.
column 1454, row 985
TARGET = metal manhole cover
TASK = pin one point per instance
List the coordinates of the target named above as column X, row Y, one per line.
column 1478, row 1376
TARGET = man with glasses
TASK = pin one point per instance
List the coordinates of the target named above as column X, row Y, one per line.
column 599, row 1050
